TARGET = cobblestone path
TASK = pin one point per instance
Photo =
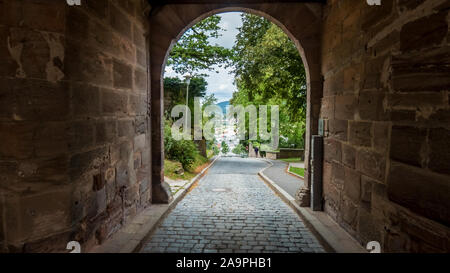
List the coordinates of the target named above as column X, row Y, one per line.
column 232, row 211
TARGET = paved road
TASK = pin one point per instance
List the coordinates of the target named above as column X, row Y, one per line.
column 277, row 173
column 232, row 211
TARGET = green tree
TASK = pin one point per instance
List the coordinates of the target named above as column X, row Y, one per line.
column 225, row 147
column 175, row 91
column 194, row 50
column 240, row 149
column 269, row 71
column 267, row 63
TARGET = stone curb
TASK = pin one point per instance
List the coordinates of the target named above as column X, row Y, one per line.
column 132, row 237
column 329, row 233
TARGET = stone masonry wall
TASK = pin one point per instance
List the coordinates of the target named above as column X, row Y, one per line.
column 386, row 106
column 74, row 127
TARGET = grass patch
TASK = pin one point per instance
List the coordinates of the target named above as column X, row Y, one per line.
column 299, row 171
column 292, row 160
column 170, row 168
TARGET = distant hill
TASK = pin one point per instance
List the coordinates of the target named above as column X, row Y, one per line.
column 224, row 106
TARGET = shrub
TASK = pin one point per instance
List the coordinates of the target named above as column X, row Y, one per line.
column 240, row 149
column 225, row 148
column 183, row 151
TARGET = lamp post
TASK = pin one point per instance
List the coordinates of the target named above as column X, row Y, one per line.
column 188, row 81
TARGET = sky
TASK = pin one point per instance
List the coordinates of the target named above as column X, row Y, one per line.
column 220, row 84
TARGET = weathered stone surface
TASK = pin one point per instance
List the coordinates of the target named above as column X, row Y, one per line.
column 327, row 107
column 138, row 37
column 415, row 100
column 431, row 199
column 345, row 107
column 9, row 66
column 161, row 193
column 332, row 150
column 16, row 140
column 34, row 216
column 352, row 185
column 122, row 175
column 53, row 244
column 367, row 228
column 125, row 128
column 85, row 100
column 120, row 22
column 424, row 32
column 402, row 115
column 376, row 15
column 51, row 139
column 114, row 103
column 386, row 73
column 88, row 65
column 381, row 136
column 370, row 106
column 439, row 142
column 371, row 163
column 366, row 189
column 77, row 24
column 84, row 162
column 140, row 80
column 349, row 213
column 34, row 100
column 81, row 135
column 372, row 73
column 348, row 155
column 122, row 75
column 407, row 144
column 10, row 13
column 405, row 5
column 422, row 72
column 106, row 131
column 360, row 134
column 426, row 236
column 338, row 129
column 138, row 105
column 333, row 85
column 141, row 58
column 338, row 175
column 99, row 7
column 63, row 73
column 34, row 12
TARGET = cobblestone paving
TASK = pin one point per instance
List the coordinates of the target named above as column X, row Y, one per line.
column 232, row 211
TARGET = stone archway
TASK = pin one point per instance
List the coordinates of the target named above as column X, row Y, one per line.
column 302, row 23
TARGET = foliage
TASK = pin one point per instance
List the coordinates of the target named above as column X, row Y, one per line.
column 171, row 167
column 216, row 150
column 225, row 148
column 240, row 149
column 269, row 71
column 298, row 171
column 194, row 51
column 183, row 151
column 292, row 160
column 175, row 91
column 267, row 63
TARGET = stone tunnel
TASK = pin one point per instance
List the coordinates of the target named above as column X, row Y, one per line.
column 81, row 101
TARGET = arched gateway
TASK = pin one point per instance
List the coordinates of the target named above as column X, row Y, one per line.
column 300, row 21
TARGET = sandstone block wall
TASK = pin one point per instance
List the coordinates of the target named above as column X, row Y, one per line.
column 74, row 121
column 386, row 106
